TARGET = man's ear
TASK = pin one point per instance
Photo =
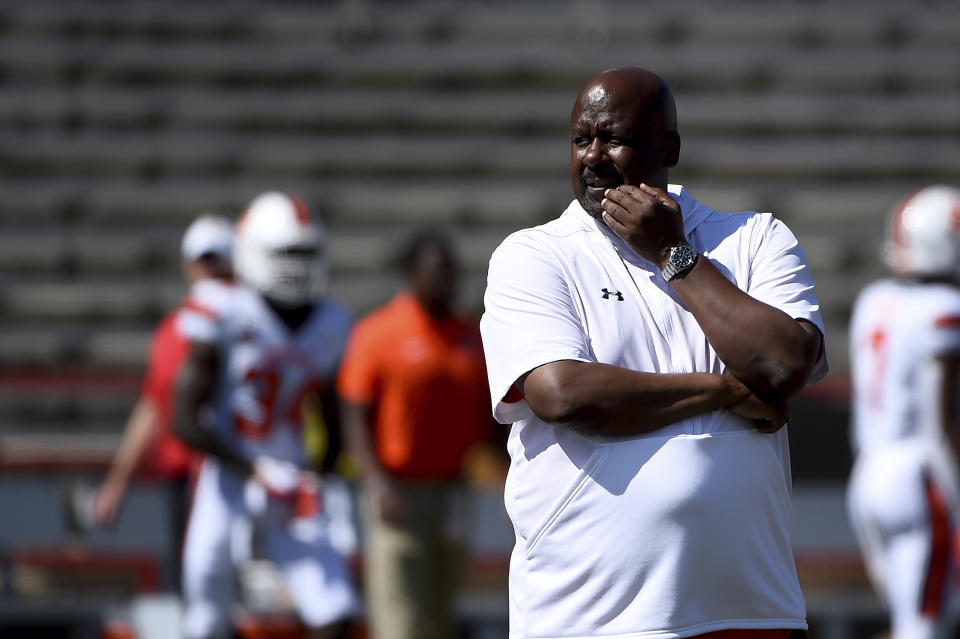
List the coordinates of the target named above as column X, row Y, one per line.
column 671, row 149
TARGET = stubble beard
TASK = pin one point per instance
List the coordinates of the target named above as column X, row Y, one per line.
column 590, row 204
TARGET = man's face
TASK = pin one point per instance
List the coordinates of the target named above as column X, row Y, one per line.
column 612, row 142
column 434, row 277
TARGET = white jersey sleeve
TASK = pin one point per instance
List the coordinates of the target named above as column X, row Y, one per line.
column 200, row 318
column 529, row 319
column 780, row 277
column 945, row 333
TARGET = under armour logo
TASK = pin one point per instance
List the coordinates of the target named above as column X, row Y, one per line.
column 607, row 294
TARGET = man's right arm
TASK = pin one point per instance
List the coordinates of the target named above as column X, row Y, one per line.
column 196, row 385
column 949, row 393
column 600, row 399
column 139, row 434
column 358, row 429
column 356, row 422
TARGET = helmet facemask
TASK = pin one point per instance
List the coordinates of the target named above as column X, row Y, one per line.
column 299, row 275
column 280, row 250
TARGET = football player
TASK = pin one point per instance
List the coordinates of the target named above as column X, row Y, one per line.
column 261, row 351
column 905, row 367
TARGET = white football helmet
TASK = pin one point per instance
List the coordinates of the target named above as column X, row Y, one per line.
column 923, row 234
column 280, row 250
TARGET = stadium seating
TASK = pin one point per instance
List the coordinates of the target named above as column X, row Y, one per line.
column 390, row 114
column 121, row 121
column 117, row 125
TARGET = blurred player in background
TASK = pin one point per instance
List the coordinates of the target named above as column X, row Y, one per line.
column 905, row 365
column 261, row 351
column 206, row 249
column 414, row 391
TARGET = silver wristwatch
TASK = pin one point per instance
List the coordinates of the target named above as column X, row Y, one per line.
column 682, row 257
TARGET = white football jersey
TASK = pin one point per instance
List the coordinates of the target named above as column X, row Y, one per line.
column 267, row 371
column 897, row 330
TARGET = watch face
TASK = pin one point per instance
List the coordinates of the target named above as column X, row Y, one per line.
column 683, row 256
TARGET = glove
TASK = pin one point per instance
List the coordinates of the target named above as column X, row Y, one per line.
column 279, row 478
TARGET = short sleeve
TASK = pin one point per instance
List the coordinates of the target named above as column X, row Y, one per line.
column 358, row 375
column 946, row 331
column 780, row 277
column 198, row 319
column 161, row 369
column 529, row 319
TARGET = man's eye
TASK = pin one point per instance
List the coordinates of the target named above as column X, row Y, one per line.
column 581, row 141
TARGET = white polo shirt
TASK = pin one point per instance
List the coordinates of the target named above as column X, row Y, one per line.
column 677, row 533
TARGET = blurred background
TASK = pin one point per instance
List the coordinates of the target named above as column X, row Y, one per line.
column 122, row 120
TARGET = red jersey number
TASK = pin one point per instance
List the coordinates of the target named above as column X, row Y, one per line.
column 878, row 346
column 265, row 384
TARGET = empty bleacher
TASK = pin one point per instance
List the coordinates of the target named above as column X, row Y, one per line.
column 120, row 121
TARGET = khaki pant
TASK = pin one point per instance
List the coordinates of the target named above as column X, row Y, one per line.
column 413, row 569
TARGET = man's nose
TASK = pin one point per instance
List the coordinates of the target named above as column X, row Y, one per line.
column 594, row 153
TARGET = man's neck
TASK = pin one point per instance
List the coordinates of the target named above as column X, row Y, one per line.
column 292, row 316
column 436, row 310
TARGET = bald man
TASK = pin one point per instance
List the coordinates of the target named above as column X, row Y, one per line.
column 643, row 347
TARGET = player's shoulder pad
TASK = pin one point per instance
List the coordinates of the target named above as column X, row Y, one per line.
column 210, row 299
